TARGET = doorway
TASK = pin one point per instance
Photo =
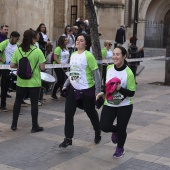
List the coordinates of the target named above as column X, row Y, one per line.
column 166, row 28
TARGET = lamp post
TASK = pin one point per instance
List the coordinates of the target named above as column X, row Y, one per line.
column 135, row 22
column 133, row 49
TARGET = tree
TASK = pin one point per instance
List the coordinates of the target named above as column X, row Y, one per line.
column 91, row 16
column 167, row 62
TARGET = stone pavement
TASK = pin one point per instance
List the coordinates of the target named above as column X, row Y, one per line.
column 147, row 146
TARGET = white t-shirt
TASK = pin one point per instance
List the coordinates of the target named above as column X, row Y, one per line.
column 71, row 40
column 64, row 56
column 81, row 70
column 109, row 54
column 44, row 37
column 127, row 82
column 36, row 44
column 9, row 50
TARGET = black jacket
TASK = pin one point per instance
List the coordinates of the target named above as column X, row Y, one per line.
column 120, row 36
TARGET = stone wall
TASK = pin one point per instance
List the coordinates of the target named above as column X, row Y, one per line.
column 110, row 17
column 21, row 15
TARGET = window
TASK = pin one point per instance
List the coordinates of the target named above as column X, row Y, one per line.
column 73, row 14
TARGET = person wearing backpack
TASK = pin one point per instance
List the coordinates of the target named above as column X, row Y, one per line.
column 30, row 61
column 61, row 56
column 7, row 48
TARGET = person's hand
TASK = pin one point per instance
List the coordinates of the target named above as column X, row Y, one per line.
column 101, row 94
column 48, row 42
column 63, row 88
column 118, row 87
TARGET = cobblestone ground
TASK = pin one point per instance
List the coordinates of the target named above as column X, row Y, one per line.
column 147, row 146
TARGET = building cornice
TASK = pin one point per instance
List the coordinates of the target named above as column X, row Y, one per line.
column 108, row 4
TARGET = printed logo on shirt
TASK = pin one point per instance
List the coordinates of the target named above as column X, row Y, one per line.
column 75, row 76
column 117, row 98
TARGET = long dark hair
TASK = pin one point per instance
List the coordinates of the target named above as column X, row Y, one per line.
column 87, row 39
column 61, row 43
column 28, row 37
column 39, row 28
column 65, row 31
column 124, row 52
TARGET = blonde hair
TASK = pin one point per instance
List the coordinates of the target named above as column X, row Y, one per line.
column 107, row 42
column 75, row 27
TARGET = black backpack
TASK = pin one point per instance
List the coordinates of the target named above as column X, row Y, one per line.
column 24, row 68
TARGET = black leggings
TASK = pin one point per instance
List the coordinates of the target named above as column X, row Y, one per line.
column 70, row 109
column 123, row 115
column 61, row 77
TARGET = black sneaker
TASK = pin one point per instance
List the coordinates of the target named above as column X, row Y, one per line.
column 23, row 104
column 14, row 128
column 97, row 138
column 65, row 143
column 4, row 109
column 54, row 97
column 37, row 129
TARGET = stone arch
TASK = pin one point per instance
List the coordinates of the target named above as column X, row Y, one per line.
column 143, row 8
column 159, row 13
column 155, row 11
column 162, row 11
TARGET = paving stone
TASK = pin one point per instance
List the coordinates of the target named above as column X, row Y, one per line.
column 31, row 153
column 83, row 163
column 137, row 145
column 143, row 119
column 163, row 98
column 153, row 106
column 142, row 165
column 161, row 149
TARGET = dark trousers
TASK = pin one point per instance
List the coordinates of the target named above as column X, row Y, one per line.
column 5, row 81
column 123, row 115
column 70, row 109
column 134, row 69
column 61, row 76
column 104, row 74
column 34, row 96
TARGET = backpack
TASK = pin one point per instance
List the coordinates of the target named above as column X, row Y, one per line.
column 24, row 68
column 52, row 58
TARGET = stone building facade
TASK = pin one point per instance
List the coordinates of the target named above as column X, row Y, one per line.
column 154, row 17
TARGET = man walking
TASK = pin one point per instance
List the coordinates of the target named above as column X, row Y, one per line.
column 120, row 36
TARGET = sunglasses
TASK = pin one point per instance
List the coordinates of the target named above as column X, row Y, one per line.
column 110, row 44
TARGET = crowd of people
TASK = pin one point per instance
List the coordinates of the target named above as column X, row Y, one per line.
column 82, row 86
